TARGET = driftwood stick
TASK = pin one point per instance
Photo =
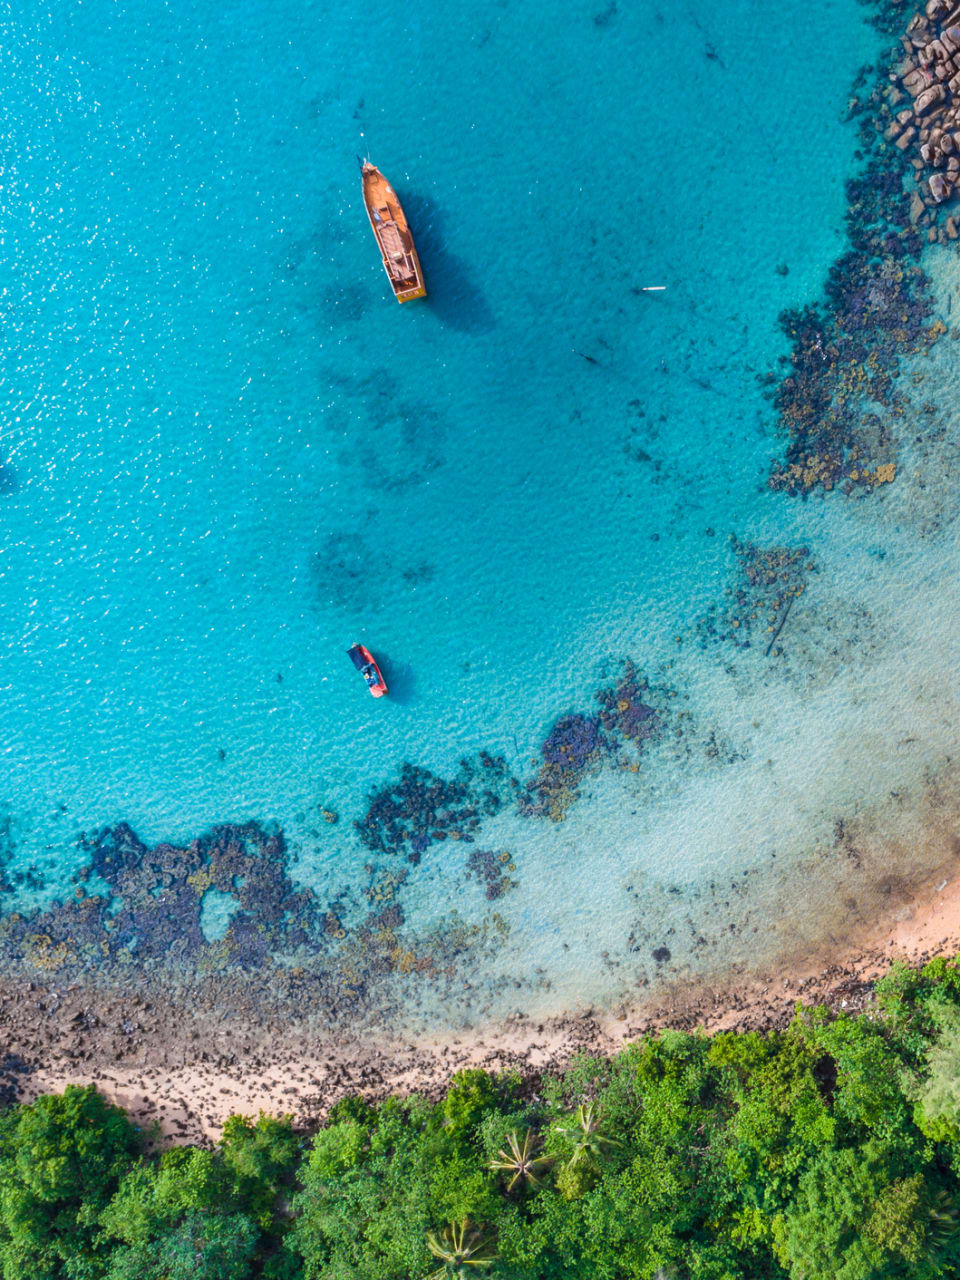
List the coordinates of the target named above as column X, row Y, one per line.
column 786, row 615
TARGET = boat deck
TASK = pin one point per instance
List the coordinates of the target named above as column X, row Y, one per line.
column 393, row 235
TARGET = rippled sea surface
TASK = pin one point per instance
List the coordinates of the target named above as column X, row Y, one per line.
column 540, row 497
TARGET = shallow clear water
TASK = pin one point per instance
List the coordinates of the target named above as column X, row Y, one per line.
column 228, row 454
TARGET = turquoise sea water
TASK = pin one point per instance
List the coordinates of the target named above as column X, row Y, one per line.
column 227, row 454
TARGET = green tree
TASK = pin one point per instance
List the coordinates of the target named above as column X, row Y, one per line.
column 202, row 1246
column 188, row 1213
column 588, row 1143
column 372, row 1193
column 471, row 1093
column 61, row 1158
column 154, row 1196
column 261, row 1156
column 853, row 1218
column 938, row 1094
column 460, row 1245
column 520, row 1161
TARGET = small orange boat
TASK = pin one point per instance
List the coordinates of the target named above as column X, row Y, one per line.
column 366, row 664
column 389, row 224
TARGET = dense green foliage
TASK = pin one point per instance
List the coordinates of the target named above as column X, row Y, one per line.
column 826, row 1151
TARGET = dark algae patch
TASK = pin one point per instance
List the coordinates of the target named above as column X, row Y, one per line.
column 769, row 580
column 629, row 714
column 570, row 750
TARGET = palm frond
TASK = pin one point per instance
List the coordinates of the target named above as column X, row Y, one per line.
column 519, row 1159
column 460, row 1245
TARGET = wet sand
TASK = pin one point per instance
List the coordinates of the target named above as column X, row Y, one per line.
column 185, row 1071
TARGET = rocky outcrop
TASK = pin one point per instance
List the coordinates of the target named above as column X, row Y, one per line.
column 929, row 74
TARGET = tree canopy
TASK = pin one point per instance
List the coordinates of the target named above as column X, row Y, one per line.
column 827, row 1150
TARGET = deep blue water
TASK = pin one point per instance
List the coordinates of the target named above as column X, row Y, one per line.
column 226, row 453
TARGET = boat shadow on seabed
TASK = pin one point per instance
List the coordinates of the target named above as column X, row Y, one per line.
column 452, row 291
column 400, row 679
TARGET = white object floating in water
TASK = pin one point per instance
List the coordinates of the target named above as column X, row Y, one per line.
column 653, row 288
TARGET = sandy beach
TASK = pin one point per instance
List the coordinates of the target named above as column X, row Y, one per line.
column 182, row 1073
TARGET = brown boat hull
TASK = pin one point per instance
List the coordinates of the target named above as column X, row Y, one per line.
column 392, row 233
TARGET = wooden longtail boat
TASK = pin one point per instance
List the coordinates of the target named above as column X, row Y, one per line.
column 393, row 235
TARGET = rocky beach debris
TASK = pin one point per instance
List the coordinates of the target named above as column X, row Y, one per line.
column 185, row 1069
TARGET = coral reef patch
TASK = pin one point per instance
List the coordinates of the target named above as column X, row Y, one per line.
column 136, row 916
column 490, row 869
column 838, row 403
column 148, row 911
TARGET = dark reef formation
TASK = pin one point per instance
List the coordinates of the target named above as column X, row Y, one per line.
column 144, row 904
column 632, row 714
column 420, row 808
column 137, row 911
column 837, row 399
column 490, row 870
column 136, row 917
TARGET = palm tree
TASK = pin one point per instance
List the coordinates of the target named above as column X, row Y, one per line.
column 460, row 1245
column 943, row 1222
column 520, row 1161
column 586, row 1133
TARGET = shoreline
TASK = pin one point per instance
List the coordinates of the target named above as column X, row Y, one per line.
column 186, row 1064
column 185, row 1075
